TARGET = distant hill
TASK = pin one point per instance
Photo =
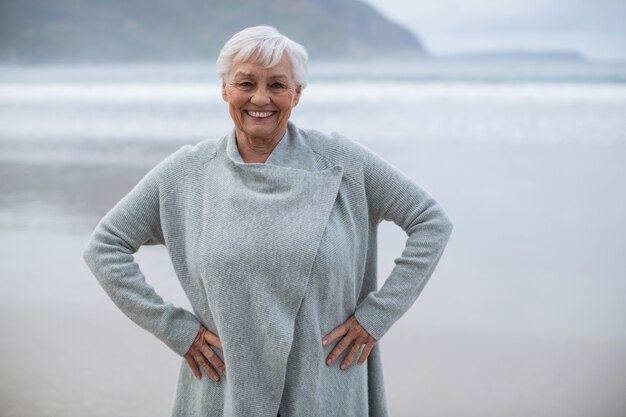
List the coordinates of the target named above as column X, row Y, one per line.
column 92, row 31
column 522, row 55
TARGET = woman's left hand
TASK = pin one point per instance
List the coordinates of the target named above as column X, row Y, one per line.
column 353, row 336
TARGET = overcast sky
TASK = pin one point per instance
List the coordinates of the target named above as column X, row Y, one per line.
column 596, row 28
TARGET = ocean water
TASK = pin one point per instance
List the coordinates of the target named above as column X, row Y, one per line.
column 528, row 159
column 87, row 112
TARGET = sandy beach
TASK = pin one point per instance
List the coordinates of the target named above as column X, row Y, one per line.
column 82, row 362
column 477, row 342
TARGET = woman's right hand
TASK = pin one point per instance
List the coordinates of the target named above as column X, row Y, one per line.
column 200, row 354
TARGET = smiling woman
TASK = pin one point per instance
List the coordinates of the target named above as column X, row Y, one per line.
column 272, row 233
column 260, row 102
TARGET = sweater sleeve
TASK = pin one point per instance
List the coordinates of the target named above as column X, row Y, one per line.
column 132, row 222
column 394, row 197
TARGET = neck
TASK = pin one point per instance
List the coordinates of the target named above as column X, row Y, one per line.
column 256, row 150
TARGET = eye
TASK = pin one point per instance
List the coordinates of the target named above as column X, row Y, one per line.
column 246, row 84
column 277, row 85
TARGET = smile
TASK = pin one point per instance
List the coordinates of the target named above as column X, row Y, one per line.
column 259, row 114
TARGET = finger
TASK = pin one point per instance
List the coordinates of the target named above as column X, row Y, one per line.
column 198, row 340
column 208, row 368
column 213, row 359
column 366, row 352
column 338, row 349
column 354, row 350
column 213, row 340
column 194, row 367
column 335, row 334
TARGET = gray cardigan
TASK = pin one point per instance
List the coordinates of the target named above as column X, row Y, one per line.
column 272, row 257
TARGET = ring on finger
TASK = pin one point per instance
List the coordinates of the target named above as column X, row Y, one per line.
column 357, row 347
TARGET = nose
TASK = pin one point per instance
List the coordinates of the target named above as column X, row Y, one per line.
column 260, row 96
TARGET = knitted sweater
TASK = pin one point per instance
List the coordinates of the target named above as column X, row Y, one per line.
column 272, row 257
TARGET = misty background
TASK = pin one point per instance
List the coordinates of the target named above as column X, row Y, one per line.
column 511, row 114
column 594, row 28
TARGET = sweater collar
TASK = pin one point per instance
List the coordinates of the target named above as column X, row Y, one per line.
column 292, row 151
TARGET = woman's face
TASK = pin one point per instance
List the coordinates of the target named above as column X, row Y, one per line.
column 260, row 99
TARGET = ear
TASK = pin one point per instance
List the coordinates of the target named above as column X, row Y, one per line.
column 296, row 97
column 224, row 92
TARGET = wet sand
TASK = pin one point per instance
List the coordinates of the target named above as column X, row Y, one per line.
column 82, row 362
column 523, row 317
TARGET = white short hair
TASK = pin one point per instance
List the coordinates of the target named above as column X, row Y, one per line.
column 263, row 45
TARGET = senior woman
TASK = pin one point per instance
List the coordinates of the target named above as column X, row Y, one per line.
column 271, row 230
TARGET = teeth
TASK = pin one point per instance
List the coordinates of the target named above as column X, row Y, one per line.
column 260, row 113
